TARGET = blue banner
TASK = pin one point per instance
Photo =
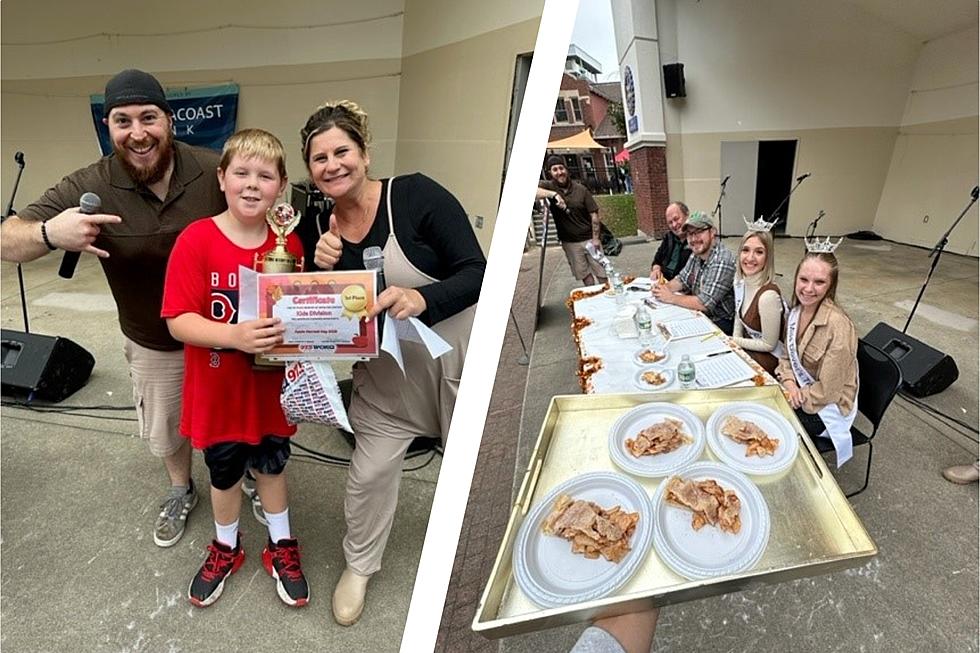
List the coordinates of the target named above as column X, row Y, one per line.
column 202, row 116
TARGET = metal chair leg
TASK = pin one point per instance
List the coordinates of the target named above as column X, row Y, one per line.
column 867, row 472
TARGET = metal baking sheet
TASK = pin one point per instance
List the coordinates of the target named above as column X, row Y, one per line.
column 814, row 529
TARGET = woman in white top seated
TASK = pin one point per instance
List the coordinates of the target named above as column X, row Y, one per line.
column 758, row 304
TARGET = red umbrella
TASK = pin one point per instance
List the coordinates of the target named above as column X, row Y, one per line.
column 622, row 156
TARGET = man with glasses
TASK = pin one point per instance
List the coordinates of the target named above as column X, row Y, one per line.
column 706, row 281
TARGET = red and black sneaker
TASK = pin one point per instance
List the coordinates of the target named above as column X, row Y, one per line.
column 209, row 581
column 281, row 560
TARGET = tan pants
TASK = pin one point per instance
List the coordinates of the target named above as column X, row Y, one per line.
column 581, row 263
column 387, row 412
column 158, row 381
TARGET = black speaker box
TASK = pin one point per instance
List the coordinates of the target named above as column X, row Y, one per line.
column 925, row 371
column 42, row 367
column 674, row 80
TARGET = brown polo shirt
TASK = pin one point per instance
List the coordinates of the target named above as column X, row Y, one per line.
column 140, row 245
column 575, row 224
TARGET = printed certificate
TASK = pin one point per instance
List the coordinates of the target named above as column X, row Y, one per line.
column 325, row 314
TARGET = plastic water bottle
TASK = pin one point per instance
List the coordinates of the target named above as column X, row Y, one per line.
column 686, row 372
column 617, row 284
column 644, row 325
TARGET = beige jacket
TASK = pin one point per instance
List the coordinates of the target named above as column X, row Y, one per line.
column 828, row 349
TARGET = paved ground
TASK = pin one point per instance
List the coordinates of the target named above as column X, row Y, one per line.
column 919, row 593
column 80, row 493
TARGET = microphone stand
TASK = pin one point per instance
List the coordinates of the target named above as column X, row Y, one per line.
column 718, row 205
column 775, row 214
column 937, row 252
column 19, row 159
column 812, row 229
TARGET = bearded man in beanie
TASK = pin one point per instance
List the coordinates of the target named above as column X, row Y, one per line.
column 151, row 187
column 576, row 220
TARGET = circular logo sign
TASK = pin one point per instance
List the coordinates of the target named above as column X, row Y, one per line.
column 630, row 91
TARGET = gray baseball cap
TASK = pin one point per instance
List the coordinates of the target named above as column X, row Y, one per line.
column 698, row 221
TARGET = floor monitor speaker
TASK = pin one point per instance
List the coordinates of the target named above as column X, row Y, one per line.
column 42, row 367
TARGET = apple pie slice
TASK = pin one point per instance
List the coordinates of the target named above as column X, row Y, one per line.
column 592, row 529
column 711, row 504
column 663, row 437
column 758, row 443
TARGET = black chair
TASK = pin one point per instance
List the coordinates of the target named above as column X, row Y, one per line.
column 881, row 377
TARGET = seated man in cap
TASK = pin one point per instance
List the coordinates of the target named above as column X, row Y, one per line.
column 576, row 220
column 151, row 187
column 707, row 278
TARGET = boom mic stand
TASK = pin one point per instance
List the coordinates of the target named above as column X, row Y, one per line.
column 812, row 229
column 937, row 251
column 775, row 214
column 19, row 159
column 718, row 205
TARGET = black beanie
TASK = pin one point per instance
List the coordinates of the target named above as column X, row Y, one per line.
column 554, row 160
column 134, row 87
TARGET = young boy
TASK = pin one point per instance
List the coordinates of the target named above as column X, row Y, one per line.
column 231, row 410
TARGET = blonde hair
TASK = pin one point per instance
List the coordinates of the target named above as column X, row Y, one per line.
column 254, row 144
column 769, row 269
column 342, row 114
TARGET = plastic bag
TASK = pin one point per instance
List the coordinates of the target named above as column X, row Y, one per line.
column 310, row 394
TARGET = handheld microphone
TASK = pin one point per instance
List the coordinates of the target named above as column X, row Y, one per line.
column 802, row 177
column 374, row 259
column 89, row 204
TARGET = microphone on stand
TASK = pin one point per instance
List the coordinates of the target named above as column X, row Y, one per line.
column 374, row 259
column 726, row 181
column 802, row 177
column 813, row 225
column 89, row 204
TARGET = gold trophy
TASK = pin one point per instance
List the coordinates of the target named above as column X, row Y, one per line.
column 283, row 218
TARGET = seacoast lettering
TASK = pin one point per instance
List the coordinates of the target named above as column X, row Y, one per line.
column 199, row 113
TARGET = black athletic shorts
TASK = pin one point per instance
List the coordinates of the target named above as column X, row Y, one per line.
column 228, row 461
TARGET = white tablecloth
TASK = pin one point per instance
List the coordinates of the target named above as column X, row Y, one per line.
column 619, row 370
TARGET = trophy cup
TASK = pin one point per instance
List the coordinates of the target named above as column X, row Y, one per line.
column 283, row 218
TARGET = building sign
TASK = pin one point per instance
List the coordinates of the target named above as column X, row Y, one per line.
column 629, row 89
column 202, row 116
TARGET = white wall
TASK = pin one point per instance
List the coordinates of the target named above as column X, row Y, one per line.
column 769, row 65
column 858, row 94
column 287, row 59
column 935, row 160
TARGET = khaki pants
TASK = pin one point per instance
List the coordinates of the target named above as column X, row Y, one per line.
column 158, row 383
column 581, row 263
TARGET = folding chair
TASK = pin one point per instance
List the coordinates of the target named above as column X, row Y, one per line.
column 880, row 378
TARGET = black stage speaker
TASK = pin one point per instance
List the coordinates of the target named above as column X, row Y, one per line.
column 925, row 371
column 674, row 80
column 42, row 367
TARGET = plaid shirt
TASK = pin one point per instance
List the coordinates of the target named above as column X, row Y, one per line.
column 712, row 281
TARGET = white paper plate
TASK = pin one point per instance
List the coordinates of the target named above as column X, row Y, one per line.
column 657, row 347
column 637, row 419
column 643, row 385
column 733, row 454
column 711, row 552
column 545, row 568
